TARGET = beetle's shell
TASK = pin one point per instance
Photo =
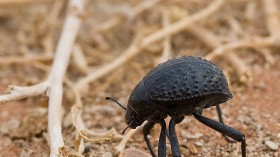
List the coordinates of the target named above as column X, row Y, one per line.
column 185, row 78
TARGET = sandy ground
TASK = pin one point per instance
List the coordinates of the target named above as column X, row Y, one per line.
column 32, row 29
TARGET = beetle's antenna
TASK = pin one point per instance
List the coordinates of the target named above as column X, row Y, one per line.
column 109, row 98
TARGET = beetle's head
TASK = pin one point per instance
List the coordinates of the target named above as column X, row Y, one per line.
column 139, row 107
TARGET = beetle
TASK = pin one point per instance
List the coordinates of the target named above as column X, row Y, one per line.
column 177, row 88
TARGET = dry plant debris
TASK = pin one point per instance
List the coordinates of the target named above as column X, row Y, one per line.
column 69, row 55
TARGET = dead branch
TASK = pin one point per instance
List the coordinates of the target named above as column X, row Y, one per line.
column 121, row 146
column 134, row 49
column 267, row 55
column 79, row 59
column 17, row 93
column 166, row 43
column 272, row 19
column 24, row 60
column 5, row 2
column 253, row 43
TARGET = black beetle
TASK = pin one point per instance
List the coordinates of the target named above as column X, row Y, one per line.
column 176, row 88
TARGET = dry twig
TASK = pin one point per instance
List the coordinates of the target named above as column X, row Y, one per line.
column 121, row 146
column 24, row 60
column 253, row 43
column 166, row 43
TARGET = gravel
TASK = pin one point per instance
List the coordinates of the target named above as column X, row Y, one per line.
column 272, row 145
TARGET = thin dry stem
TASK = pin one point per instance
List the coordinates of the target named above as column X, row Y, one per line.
column 77, row 122
column 166, row 54
column 82, row 131
column 271, row 9
column 25, row 60
column 182, row 24
column 121, row 146
column 253, row 43
column 267, row 55
column 17, row 93
column 134, row 49
column 2, row 2
column 79, row 59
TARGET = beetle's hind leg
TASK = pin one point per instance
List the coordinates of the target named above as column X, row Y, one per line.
column 219, row 112
column 146, row 130
column 173, row 137
column 225, row 130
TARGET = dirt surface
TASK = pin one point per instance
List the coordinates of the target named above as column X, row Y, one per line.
column 32, row 29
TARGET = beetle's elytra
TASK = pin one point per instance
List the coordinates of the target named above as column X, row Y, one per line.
column 177, row 88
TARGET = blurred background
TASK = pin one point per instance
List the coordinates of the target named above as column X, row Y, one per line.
column 118, row 43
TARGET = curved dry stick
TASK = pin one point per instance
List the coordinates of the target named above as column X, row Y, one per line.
column 254, row 43
column 134, row 49
column 82, row 131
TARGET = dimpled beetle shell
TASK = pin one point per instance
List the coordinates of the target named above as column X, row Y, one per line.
column 187, row 80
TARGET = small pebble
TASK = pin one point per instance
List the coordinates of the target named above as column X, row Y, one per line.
column 199, row 143
column 193, row 149
column 191, row 136
column 272, row 145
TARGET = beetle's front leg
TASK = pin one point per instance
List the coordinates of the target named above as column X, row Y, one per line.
column 173, row 139
column 146, row 130
column 162, row 140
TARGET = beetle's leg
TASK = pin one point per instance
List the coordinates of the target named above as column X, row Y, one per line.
column 225, row 130
column 162, row 140
column 173, row 138
column 146, row 130
column 219, row 112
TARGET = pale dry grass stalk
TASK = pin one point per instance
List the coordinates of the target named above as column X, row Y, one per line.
column 25, row 59
column 255, row 42
column 6, row 2
column 121, row 146
column 166, row 54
